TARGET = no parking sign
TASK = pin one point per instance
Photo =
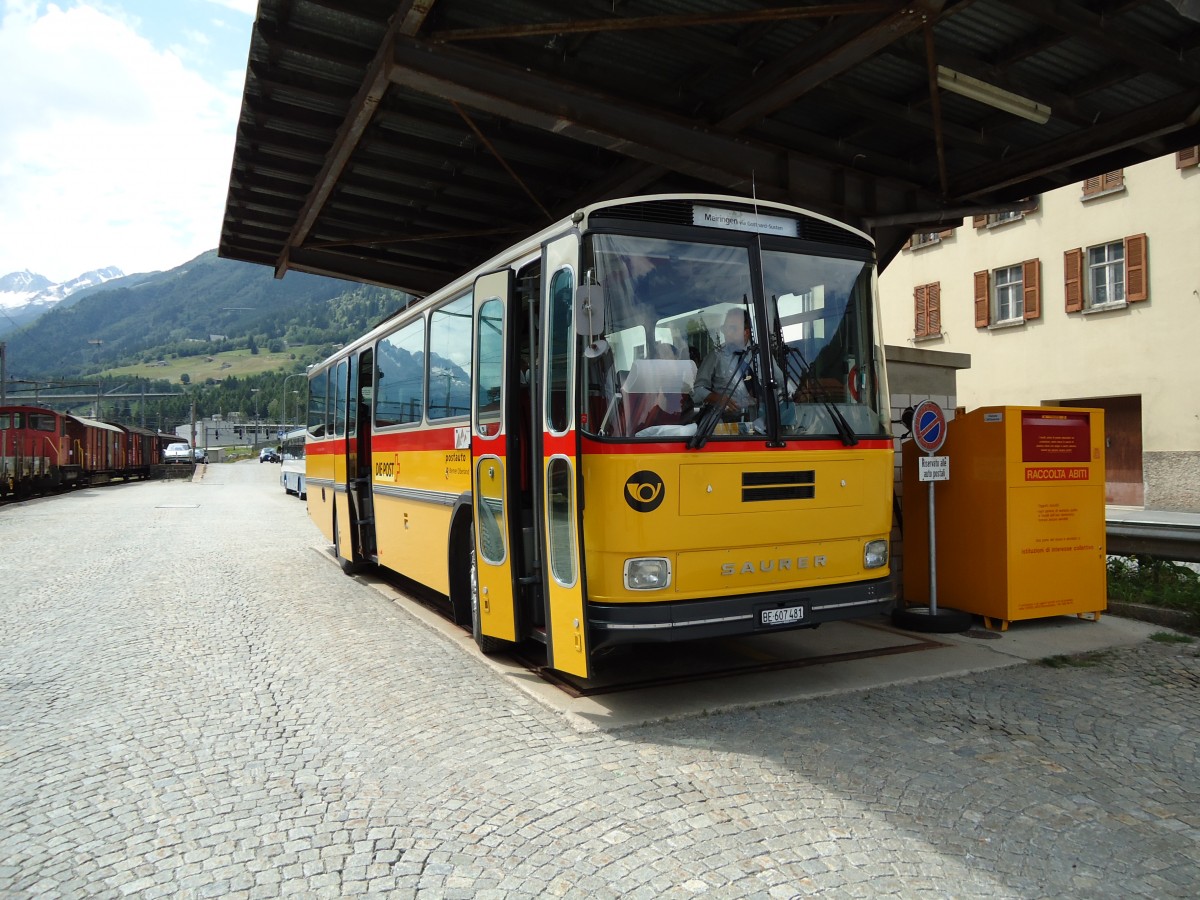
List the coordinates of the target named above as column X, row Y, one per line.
column 929, row 426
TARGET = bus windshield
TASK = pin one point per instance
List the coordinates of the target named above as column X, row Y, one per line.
column 682, row 349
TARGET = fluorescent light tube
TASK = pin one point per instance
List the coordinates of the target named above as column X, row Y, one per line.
column 989, row 94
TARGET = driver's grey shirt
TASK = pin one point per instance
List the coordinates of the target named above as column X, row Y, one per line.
column 714, row 375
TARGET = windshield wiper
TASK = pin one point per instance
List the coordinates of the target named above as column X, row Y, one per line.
column 845, row 432
column 712, row 416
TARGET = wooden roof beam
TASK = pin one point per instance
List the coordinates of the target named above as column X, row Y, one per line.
column 763, row 100
column 610, row 123
column 1145, row 54
column 1159, row 119
column 407, row 20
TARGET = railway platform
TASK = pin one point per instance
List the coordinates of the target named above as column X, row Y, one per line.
column 196, row 702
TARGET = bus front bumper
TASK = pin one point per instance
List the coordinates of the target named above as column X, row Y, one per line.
column 688, row 620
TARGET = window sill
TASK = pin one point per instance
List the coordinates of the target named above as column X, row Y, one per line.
column 922, row 338
column 1105, row 307
column 924, row 245
column 1007, row 323
column 1120, row 189
column 1001, row 224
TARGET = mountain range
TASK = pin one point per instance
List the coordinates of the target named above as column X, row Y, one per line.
column 24, row 295
column 106, row 319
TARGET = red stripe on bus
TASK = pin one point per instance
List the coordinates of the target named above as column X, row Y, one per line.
column 559, row 445
column 604, row 449
column 425, row 439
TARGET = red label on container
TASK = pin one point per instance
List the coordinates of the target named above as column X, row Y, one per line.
column 1055, row 437
column 1057, row 473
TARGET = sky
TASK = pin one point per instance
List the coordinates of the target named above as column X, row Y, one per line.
column 117, row 122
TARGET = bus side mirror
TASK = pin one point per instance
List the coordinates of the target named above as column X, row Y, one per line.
column 589, row 310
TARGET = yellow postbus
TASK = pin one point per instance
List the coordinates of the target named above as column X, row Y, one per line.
column 660, row 419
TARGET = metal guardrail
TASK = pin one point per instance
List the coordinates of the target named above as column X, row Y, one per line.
column 1180, row 542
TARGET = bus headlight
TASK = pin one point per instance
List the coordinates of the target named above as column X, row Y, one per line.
column 647, row 574
column 875, row 554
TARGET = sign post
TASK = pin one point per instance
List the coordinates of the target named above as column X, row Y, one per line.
column 929, row 433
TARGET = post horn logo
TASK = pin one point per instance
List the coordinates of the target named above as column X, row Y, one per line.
column 644, row 491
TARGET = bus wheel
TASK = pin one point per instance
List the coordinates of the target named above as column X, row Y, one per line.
column 487, row 645
column 932, row 621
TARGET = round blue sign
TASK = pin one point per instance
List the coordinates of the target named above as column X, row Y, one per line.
column 929, row 426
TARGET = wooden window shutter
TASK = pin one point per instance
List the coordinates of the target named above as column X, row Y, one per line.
column 920, row 306
column 1137, row 269
column 1031, row 279
column 1106, row 182
column 946, row 233
column 981, row 299
column 1187, row 157
column 933, row 308
column 979, row 221
column 1073, row 279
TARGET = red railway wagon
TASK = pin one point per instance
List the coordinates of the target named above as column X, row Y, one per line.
column 144, row 449
column 104, row 448
column 36, row 450
column 42, row 451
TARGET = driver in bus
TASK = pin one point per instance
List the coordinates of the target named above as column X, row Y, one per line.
column 730, row 371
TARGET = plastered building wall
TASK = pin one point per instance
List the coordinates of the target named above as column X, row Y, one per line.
column 1148, row 351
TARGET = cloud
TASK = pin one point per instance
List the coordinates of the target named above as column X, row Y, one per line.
column 249, row 7
column 112, row 151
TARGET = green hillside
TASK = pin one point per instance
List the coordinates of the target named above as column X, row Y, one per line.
column 219, row 366
column 217, row 334
column 206, row 307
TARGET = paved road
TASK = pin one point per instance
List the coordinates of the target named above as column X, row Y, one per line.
column 194, row 702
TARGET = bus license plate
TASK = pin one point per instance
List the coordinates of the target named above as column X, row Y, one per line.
column 784, row 616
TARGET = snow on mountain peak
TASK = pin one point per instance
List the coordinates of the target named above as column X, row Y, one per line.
column 19, row 290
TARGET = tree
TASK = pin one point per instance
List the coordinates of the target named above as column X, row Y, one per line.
column 185, row 378
column 250, row 342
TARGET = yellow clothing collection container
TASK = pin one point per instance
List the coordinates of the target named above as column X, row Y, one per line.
column 1020, row 523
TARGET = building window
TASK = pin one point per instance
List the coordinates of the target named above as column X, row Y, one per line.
column 927, row 303
column 1008, row 295
column 927, row 238
column 1187, row 157
column 1106, row 276
column 1008, row 215
column 1108, row 183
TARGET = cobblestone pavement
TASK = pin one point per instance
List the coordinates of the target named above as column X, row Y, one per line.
column 195, row 703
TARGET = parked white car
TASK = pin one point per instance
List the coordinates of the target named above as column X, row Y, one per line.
column 182, row 452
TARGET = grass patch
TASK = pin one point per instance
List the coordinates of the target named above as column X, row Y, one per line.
column 1075, row 661
column 1171, row 637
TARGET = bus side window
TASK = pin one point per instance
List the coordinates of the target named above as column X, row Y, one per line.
column 489, row 355
column 560, row 355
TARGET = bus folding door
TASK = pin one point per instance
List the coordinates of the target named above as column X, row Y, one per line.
column 492, row 471
column 566, row 639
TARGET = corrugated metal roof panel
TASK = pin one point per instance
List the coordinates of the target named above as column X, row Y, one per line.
column 831, row 112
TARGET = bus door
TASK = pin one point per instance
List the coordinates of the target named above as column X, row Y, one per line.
column 358, row 462
column 566, row 639
column 493, row 470
column 344, row 543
